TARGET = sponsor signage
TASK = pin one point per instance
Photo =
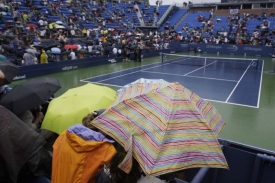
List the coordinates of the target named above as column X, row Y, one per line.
column 63, row 66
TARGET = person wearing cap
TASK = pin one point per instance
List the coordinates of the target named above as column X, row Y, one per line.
column 80, row 153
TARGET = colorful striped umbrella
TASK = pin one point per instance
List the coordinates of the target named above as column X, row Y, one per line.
column 165, row 127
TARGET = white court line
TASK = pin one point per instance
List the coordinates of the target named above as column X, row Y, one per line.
column 133, row 72
column 143, row 70
column 160, row 64
column 231, row 103
column 102, row 84
column 164, row 73
column 204, row 98
column 82, row 80
column 237, row 84
column 260, row 88
column 199, row 68
column 212, row 78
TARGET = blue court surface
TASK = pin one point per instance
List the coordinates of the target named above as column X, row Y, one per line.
column 214, row 81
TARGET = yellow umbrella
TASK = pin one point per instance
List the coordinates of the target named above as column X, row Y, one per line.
column 76, row 103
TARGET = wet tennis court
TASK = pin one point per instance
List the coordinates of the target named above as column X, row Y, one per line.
column 233, row 81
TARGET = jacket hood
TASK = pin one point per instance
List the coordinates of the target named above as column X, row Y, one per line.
column 83, row 139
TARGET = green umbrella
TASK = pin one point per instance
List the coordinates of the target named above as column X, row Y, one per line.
column 83, row 51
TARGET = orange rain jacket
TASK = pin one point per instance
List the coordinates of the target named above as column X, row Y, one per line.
column 78, row 161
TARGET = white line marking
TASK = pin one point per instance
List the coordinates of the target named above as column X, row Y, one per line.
column 82, row 80
column 212, row 78
column 260, row 88
column 204, row 98
column 164, row 73
column 199, row 68
column 143, row 70
column 237, row 84
column 133, row 72
column 231, row 103
column 104, row 84
column 133, row 68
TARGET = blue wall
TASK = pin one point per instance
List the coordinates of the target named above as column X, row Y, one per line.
column 259, row 51
column 63, row 66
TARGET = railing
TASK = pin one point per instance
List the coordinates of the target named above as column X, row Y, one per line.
column 169, row 9
column 141, row 21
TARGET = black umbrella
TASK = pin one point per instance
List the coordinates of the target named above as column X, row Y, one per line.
column 30, row 94
column 39, row 46
column 9, row 70
column 23, row 147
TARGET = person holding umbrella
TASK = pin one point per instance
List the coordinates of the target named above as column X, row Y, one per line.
column 115, row 174
column 87, row 149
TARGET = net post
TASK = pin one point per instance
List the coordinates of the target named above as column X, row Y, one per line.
column 205, row 61
column 161, row 57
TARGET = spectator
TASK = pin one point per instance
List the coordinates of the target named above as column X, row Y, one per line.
column 84, row 32
column 16, row 15
column 72, row 55
column 43, row 57
column 115, row 51
column 28, row 59
column 87, row 149
column 113, row 173
column 25, row 16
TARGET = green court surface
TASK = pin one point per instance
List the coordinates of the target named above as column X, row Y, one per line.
column 251, row 126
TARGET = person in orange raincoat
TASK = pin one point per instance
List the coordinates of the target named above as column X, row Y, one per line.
column 79, row 154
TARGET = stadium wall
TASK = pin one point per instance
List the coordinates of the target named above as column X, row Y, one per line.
column 67, row 65
column 228, row 49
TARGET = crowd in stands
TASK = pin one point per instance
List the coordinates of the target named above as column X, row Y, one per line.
column 63, row 32
column 237, row 29
column 40, row 34
column 42, row 156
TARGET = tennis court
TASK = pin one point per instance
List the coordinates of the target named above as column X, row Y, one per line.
column 227, row 80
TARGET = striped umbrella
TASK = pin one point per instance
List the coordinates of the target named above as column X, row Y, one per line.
column 165, row 127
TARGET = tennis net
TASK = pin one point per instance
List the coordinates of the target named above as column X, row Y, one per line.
column 234, row 63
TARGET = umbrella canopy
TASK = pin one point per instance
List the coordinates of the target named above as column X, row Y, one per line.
column 39, row 46
column 79, row 102
column 19, row 26
column 165, row 127
column 60, row 27
column 55, row 50
column 22, row 144
column 30, row 94
column 70, row 46
column 9, row 70
column 32, row 26
column 83, row 51
column 59, row 22
column 3, row 58
column 30, row 50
